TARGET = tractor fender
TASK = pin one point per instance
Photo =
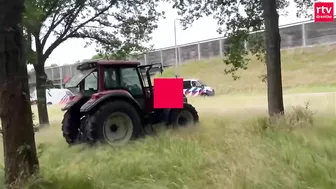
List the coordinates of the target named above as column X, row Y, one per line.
column 78, row 99
column 100, row 98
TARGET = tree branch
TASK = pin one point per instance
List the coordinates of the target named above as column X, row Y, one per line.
column 95, row 37
column 54, row 24
column 64, row 35
column 51, row 28
column 71, row 20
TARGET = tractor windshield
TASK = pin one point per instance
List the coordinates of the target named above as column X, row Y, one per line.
column 76, row 79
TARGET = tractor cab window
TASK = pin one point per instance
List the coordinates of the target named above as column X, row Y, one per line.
column 110, row 78
column 186, row 85
column 130, row 80
column 91, row 83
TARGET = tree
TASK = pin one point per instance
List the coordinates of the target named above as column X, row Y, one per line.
column 273, row 57
column 115, row 25
column 15, row 110
column 243, row 22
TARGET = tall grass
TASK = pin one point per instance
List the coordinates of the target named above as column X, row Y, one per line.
column 228, row 151
column 233, row 147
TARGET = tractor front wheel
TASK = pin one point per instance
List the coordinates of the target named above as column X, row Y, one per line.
column 115, row 123
column 70, row 126
column 183, row 117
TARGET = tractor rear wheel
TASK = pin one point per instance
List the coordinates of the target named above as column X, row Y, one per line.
column 70, row 126
column 183, row 117
column 115, row 123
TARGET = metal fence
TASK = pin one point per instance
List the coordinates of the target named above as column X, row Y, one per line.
column 295, row 35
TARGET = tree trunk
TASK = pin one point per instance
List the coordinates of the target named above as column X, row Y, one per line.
column 41, row 85
column 15, row 109
column 273, row 58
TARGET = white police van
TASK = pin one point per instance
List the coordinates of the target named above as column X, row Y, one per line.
column 54, row 96
column 195, row 87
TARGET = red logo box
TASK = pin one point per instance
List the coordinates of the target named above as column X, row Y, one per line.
column 168, row 93
column 323, row 11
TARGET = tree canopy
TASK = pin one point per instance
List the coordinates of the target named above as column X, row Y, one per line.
column 114, row 26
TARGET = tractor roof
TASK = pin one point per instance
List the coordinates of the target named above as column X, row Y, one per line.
column 87, row 64
column 106, row 62
column 123, row 62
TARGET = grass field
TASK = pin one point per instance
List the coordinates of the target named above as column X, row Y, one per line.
column 233, row 147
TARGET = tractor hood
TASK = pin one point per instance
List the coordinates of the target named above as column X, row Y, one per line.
column 76, row 79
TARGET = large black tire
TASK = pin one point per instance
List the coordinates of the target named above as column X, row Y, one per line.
column 96, row 123
column 183, row 117
column 204, row 95
column 70, row 126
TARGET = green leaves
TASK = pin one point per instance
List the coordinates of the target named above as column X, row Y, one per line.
column 115, row 56
column 34, row 15
column 304, row 8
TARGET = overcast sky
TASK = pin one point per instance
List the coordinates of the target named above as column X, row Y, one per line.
column 205, row 28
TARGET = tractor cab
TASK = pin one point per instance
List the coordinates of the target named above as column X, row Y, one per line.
column 115, row 103
column 102, row 77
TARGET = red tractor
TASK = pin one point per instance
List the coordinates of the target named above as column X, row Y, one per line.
column 115, row 104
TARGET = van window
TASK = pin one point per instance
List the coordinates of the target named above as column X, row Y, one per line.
column 186, row 85
column 198, row 84
column 193, row 83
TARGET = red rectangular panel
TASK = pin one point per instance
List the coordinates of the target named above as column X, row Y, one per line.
column 168, row 93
